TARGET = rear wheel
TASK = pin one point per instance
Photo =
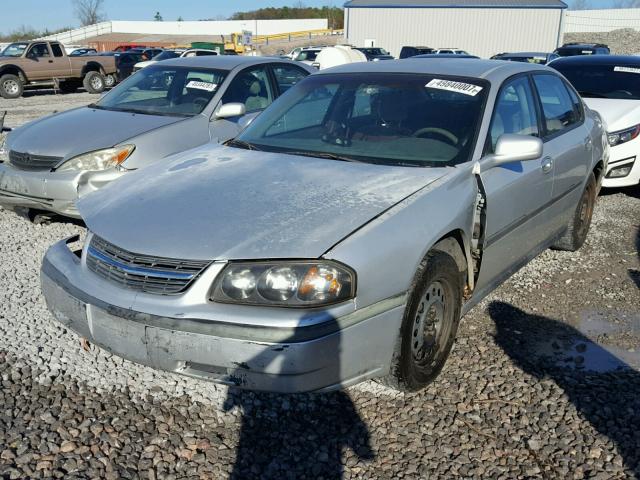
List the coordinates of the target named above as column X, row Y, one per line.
column 10, row 86
column 430, row 323
column 94, row 82
column 580, row 222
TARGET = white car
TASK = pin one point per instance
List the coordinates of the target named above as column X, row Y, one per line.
column 169, row 54
column 610, row 85
column 308, row 55
column 450, row 51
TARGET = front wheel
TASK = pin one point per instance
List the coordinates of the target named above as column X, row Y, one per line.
column 429, row 325
column 580, row 222
column 10, row 86
column 94, row 82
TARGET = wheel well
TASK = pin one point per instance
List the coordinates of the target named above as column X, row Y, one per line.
column 91, row 67
column 598, row 171
column 454, row 244
column 13, row 70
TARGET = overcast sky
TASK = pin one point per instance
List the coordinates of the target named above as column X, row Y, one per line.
column 41, row 14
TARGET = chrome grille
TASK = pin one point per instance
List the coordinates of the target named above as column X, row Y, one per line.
column 27, row 161
column 165, row 276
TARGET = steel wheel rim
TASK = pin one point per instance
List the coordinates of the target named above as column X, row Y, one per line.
column 96, row 82
column 428, row 323
column 109, row 80
column 11, row 86
column 586, row 209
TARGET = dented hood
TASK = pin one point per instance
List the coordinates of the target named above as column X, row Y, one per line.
column 226, row 203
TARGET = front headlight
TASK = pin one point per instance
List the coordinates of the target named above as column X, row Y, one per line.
column 285, row 283
column 622, row 136
column 4, row 151
column 98, row 160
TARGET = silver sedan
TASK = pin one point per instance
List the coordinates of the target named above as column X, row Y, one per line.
column 167, row 108
column 343, row 234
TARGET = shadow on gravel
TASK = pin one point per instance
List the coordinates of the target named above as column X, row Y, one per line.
column 306, row 437
column 609, row 399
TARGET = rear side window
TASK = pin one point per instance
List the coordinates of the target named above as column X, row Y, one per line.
column 515, row 111
column 56, row 49
column 578, row 106
column 287, row 76
column 557, row 106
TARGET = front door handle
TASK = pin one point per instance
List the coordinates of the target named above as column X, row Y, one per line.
column 547, row 164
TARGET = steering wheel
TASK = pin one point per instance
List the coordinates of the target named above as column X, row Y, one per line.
column 439, row 131
column 200, row 102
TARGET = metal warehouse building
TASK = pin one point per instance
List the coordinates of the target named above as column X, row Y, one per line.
column 481, row 27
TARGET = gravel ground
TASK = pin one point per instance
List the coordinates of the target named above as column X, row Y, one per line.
column 543, row 382
column 624, row 41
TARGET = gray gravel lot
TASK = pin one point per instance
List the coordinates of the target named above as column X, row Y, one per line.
column 543, row 382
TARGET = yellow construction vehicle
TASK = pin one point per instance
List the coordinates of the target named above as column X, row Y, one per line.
column 235, row 45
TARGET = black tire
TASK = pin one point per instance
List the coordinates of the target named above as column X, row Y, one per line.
column 69, row 86
column 110, row 80
column 11, row 86
column 424, row 345
column 93, row 82
column 578, row 227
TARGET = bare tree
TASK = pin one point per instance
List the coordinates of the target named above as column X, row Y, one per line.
column 88, row 11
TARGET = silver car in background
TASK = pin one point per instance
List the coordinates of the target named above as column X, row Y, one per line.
column 169, row 107
column 343, row 234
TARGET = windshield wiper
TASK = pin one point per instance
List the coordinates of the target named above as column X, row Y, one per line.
column 584, row 93
column 330, row 156
column 240, row 144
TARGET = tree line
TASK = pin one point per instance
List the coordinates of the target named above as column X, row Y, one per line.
column 334, row 15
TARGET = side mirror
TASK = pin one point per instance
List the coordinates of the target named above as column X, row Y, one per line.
column 230, row 110
column 511, row 148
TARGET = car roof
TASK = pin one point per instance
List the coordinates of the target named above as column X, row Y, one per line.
column 524, row 54
column 598, row 60
column 583, row 45
column 492, row 70
column 443, row 55
column 222, row 62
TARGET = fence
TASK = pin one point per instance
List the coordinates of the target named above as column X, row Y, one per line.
column 604, row 20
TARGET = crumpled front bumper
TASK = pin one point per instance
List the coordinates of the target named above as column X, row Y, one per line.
column 328, row 353
column 52, row 191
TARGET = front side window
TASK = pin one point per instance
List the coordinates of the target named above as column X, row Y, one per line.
column 287, row 76
column 39, row 50
column 557, row 107
column 250, row 87
column 515, row 111
column 157, row 90
column 307, row 55
column 394, row 119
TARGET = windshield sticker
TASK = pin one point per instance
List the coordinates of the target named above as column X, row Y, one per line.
column 209, row 87
column 626, row 69
column 451, row 86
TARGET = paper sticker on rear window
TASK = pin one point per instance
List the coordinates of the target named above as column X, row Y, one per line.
column 626, row 69
column 451, row 86
column 209, row 87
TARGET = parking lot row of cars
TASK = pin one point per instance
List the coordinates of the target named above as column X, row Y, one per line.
column 244, row 236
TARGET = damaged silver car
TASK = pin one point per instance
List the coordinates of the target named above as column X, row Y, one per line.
column 164, row 109
column 343, row 234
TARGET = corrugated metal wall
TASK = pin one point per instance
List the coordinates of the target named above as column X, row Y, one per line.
column 604, row 20
column 480, row 31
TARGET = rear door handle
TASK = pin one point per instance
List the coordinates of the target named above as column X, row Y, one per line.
column 547, row 164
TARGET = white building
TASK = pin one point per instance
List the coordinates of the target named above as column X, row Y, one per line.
column 481, row 27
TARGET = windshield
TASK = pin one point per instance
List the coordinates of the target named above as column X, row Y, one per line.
column 387, row 118
column 603, row 81
column 158, row 90
column 166, row 55
column 375, row 51
column 14, row 50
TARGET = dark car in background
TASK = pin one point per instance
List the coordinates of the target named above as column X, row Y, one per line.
column 375, row 54
column 444, row 55
column 125, row 62
column 541, row 58
column 82, row 51
column 575, row 48
column 407, row 52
